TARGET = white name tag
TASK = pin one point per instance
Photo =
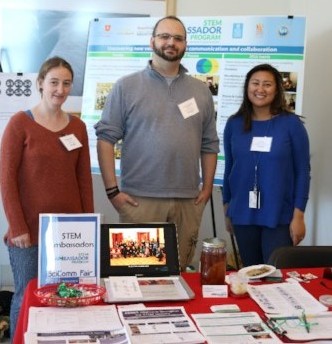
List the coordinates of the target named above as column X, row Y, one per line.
column 188, row 108
column 215, row 290
column 70, row 141
column 261, row 144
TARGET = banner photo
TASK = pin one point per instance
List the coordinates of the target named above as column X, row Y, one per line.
column 221, row 50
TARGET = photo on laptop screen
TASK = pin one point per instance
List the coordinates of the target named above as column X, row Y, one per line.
column 147, row 249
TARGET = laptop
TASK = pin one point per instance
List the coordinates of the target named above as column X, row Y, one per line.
column 140, row 262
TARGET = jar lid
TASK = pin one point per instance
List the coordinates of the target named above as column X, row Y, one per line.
column 326, row 300
column 214, row 242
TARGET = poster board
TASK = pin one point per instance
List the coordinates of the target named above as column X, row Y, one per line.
column 221, row 50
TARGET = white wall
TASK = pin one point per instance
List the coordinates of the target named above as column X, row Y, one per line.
column 154, row 8
column 317, row 92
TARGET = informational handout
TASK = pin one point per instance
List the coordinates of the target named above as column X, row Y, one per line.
column 104, row 337
column 242, row 327
column 285, row 298
column 303, row 327
column 82, row 323
column 152, row 325
column 131, row 288
column 59, row 319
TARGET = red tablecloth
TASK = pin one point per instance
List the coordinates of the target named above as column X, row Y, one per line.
column 197, row 305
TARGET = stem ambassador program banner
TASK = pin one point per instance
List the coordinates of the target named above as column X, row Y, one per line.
column 220, row 52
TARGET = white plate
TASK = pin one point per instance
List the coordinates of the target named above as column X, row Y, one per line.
column 257, row 271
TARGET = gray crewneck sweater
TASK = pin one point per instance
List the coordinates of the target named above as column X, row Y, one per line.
column 161, row 149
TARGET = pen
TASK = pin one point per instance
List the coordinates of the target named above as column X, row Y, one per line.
column 275, row 328
column 294, row 317
column 306, row 324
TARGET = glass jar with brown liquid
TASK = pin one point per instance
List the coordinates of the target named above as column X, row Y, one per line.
column 213, row 261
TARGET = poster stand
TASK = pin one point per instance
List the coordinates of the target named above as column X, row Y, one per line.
column 213, row 217
column 233, row 241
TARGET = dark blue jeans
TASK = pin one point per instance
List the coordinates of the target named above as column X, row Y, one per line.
column 24, row 264
column 256, row 243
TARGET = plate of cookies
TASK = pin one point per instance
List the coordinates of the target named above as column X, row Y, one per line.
column 257, row 271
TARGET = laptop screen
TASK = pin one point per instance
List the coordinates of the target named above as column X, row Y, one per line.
column 133, row 249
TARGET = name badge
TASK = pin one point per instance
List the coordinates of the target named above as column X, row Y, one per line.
column 188, row 108
column 71, row 142
column 261, row 144
column 254, row 199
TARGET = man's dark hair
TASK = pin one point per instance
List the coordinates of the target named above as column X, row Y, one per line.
column 172, row 18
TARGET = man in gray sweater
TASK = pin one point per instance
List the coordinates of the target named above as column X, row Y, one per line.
column 166, row 120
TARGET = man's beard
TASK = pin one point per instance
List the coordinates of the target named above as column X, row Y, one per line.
column 160, row 52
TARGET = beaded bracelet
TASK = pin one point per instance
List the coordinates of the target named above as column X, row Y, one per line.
column 112, row 192
column 111, row 188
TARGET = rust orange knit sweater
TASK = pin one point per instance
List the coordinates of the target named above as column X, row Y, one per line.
column 39, row 175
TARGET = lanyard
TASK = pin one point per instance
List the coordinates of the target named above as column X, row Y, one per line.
column 257, row 156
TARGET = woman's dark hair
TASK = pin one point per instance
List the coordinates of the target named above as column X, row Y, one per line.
column 51, row 63
column 172, row 18
column 279, row 103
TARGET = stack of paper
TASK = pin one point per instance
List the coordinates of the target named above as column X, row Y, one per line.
column 69, row 324
column 292, row 311
column 315, row 327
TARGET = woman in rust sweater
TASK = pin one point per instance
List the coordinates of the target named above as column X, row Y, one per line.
column 41, row 173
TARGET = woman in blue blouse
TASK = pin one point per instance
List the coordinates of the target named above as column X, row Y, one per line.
column 267, row 169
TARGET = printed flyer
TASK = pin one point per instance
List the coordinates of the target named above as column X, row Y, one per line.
column 18, row 91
